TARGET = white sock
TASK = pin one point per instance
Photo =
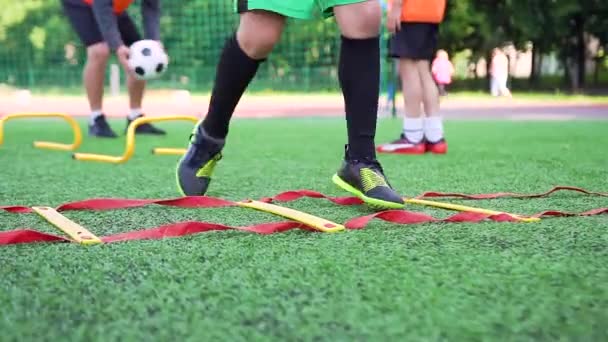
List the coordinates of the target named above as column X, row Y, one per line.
column 433, row 128
column 135, row 113
column 94, row 115
column 412, row 128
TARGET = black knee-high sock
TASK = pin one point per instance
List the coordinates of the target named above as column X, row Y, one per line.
column 234, row 73
column 359, row 74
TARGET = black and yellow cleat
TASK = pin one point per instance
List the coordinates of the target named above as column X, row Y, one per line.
column 365, row 179
column 196, row 167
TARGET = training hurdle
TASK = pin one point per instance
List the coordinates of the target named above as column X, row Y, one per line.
column 130, row 143
column 167, row 151
column 47, row 144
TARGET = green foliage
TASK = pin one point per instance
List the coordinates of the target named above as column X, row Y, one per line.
column 36, row 39
column 552, row 26
column 15, row 13
column 465, row 28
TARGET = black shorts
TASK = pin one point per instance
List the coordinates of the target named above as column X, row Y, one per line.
column 83, row 21
column 416, row 41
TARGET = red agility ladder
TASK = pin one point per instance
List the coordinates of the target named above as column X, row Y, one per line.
column 188, row 228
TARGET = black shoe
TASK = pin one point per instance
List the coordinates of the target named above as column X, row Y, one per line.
column 196, row 166
column 100, row 128
column 146, row 128
column 365, row 179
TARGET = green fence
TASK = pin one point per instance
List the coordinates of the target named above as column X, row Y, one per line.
column 38, row 49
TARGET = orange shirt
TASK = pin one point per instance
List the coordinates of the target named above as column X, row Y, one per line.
column 119, row 5
column 423, row 11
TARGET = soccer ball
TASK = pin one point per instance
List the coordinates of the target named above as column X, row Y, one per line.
column 147, row 59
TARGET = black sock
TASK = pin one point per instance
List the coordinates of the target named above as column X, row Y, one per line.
column 359, row 74
column 234, row 73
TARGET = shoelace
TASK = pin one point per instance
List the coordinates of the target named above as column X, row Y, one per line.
column 375, row 165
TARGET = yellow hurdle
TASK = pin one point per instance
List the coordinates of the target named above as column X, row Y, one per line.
column 167, row 151
column 47, row 144
column 130, row 143
column 315, row 222
column 75, row 231
column 458, row 207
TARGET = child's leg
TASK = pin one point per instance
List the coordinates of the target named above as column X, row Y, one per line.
column 417, row 46
column 359, row 73
column 430, row 93
column 433, row 123
column 94, row 75
column 413, row 95
column 243, row 52
column 257, row 34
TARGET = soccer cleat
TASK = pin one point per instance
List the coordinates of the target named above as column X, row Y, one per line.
column 100, row 128
column 365, row 179
column 439, row 147
column 402, row 146
column 196, row 167
column 146, row 128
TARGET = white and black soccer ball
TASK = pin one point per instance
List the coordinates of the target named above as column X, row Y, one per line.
column 147, row 59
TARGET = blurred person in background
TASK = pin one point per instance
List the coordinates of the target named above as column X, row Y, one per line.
column 499, row 74
column 415, row 28
column 442, row 70
column 105, row 27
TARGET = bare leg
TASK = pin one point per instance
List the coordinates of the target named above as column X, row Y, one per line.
column 136, row 91
column 359, row 20
column 412, row 88
column 258, row 33
column 93, row 77
column 430, row 95
column 94, row 74
column 432, row 123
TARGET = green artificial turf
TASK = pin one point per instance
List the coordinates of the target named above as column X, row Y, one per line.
column 461, row 282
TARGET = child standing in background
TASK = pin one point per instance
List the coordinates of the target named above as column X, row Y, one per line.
column 442, row 70
column 499, row 72
column 414, row 25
